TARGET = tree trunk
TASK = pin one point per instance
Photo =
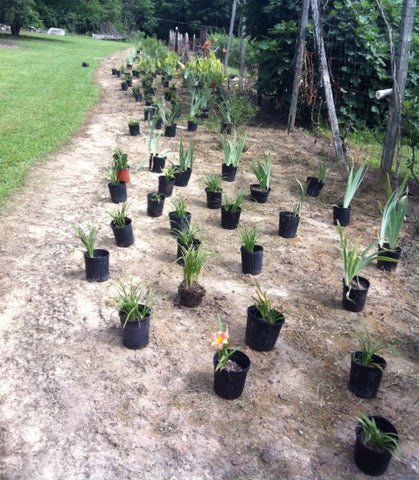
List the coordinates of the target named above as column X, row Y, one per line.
column 337, row 141
column 15, row 28
column 399, row 83
column 298, row 65
column 230, row 34
column 242, row 52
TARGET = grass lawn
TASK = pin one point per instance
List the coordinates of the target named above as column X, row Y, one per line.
column 45, row 94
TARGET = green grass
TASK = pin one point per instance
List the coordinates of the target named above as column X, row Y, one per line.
column 45, row 94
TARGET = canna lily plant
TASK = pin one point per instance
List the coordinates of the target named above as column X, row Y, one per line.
column 220, row 341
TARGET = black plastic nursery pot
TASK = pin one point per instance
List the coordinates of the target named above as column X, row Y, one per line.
column 156, row 163
column 213, row 199
column 229, row 219
column 124, row 86
column 228, row 172
column 166, row 186
column 252, row 261
column 313, row 186
column 180, row 246
column 258, row 195
column 364, row 381
column 136, row 332
column 178, row 222
column 343, row 214
column 182, row 177
column 124, row 236
column 386, row 252
column 97, row 267
column 154, row 206
column 367, row 458
column 192, row 126
column 288, row 224
column 170, row 130
column 118, row 192
column 261, row 335
column 354, row 298
column 134, row 129
column 229, row 384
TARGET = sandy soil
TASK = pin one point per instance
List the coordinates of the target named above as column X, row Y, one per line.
column 76, row 404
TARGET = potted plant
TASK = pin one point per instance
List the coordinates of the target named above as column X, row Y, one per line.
column 195, row 107
column 135, row 309
column 128, row 79
column 184, row 168
column 179, row 218
column 155, row 204
column 393, row 214
column 136, row 93
column 251, row 254
column 342, row 212
column 157, row 160
column 231, row 211
column 232, row 149
column 167, row 180
column 96, row 260
column 134, row 127
column 376, row 442
column 117, row 189
column 315, row 184
column 213, row 190
column 355, row 287
column 230, row 365
column 259, row 192
column 367, row 367
column 168, row 115
column 122, row 226
column 190, row 291
column 289, row 221
column 264, row 322
column 120, row 163
column 186, row 238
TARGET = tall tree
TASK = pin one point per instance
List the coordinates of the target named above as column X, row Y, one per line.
column 17, row 13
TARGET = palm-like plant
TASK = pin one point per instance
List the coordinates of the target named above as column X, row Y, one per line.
column 119, row 216
column 88, row 237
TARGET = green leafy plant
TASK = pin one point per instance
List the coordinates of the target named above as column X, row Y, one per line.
column 168, row 110
column 112, row 171
column 197, row 102
column 119, row 216
column 179, row 204
column 193, row 261
column 393, row 214
column 187, row 236
column 213, row 182
column 354, row 262
column 232, row 149
column 299, row 205
column 262, row 171
column 324, row 168
column 135, row 90
column 133, row 123
column 234, row 205
column 264, row 306
column 87, row 237
column 220, row 340
column 157, row 197
column 135, row 301
column 367, row 349
column 186, row 157
column 372, row 436
column 248, row 237
column 354, row 181
column 120, row 159
column 169, row 172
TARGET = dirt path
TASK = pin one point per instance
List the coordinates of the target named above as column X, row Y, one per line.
column 76, row 404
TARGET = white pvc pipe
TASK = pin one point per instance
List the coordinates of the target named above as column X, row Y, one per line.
column 379, row 94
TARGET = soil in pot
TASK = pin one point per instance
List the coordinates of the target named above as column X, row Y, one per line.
column 228, row 172
column 229, row 219
column 118, row 192
column 385, row 252
column 354, row 298
column 368, row 458
column 261, row 335
column 124, row 236
column 166, row 186
column 192, row 296
column 313, row 186
column 288, row 224
column 230, row 381
column 364, row 381
column 252, row 261
column 97, row 267
column 257, row 194
column 343, row 214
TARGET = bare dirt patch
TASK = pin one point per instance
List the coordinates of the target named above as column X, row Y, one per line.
column 75, row 404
